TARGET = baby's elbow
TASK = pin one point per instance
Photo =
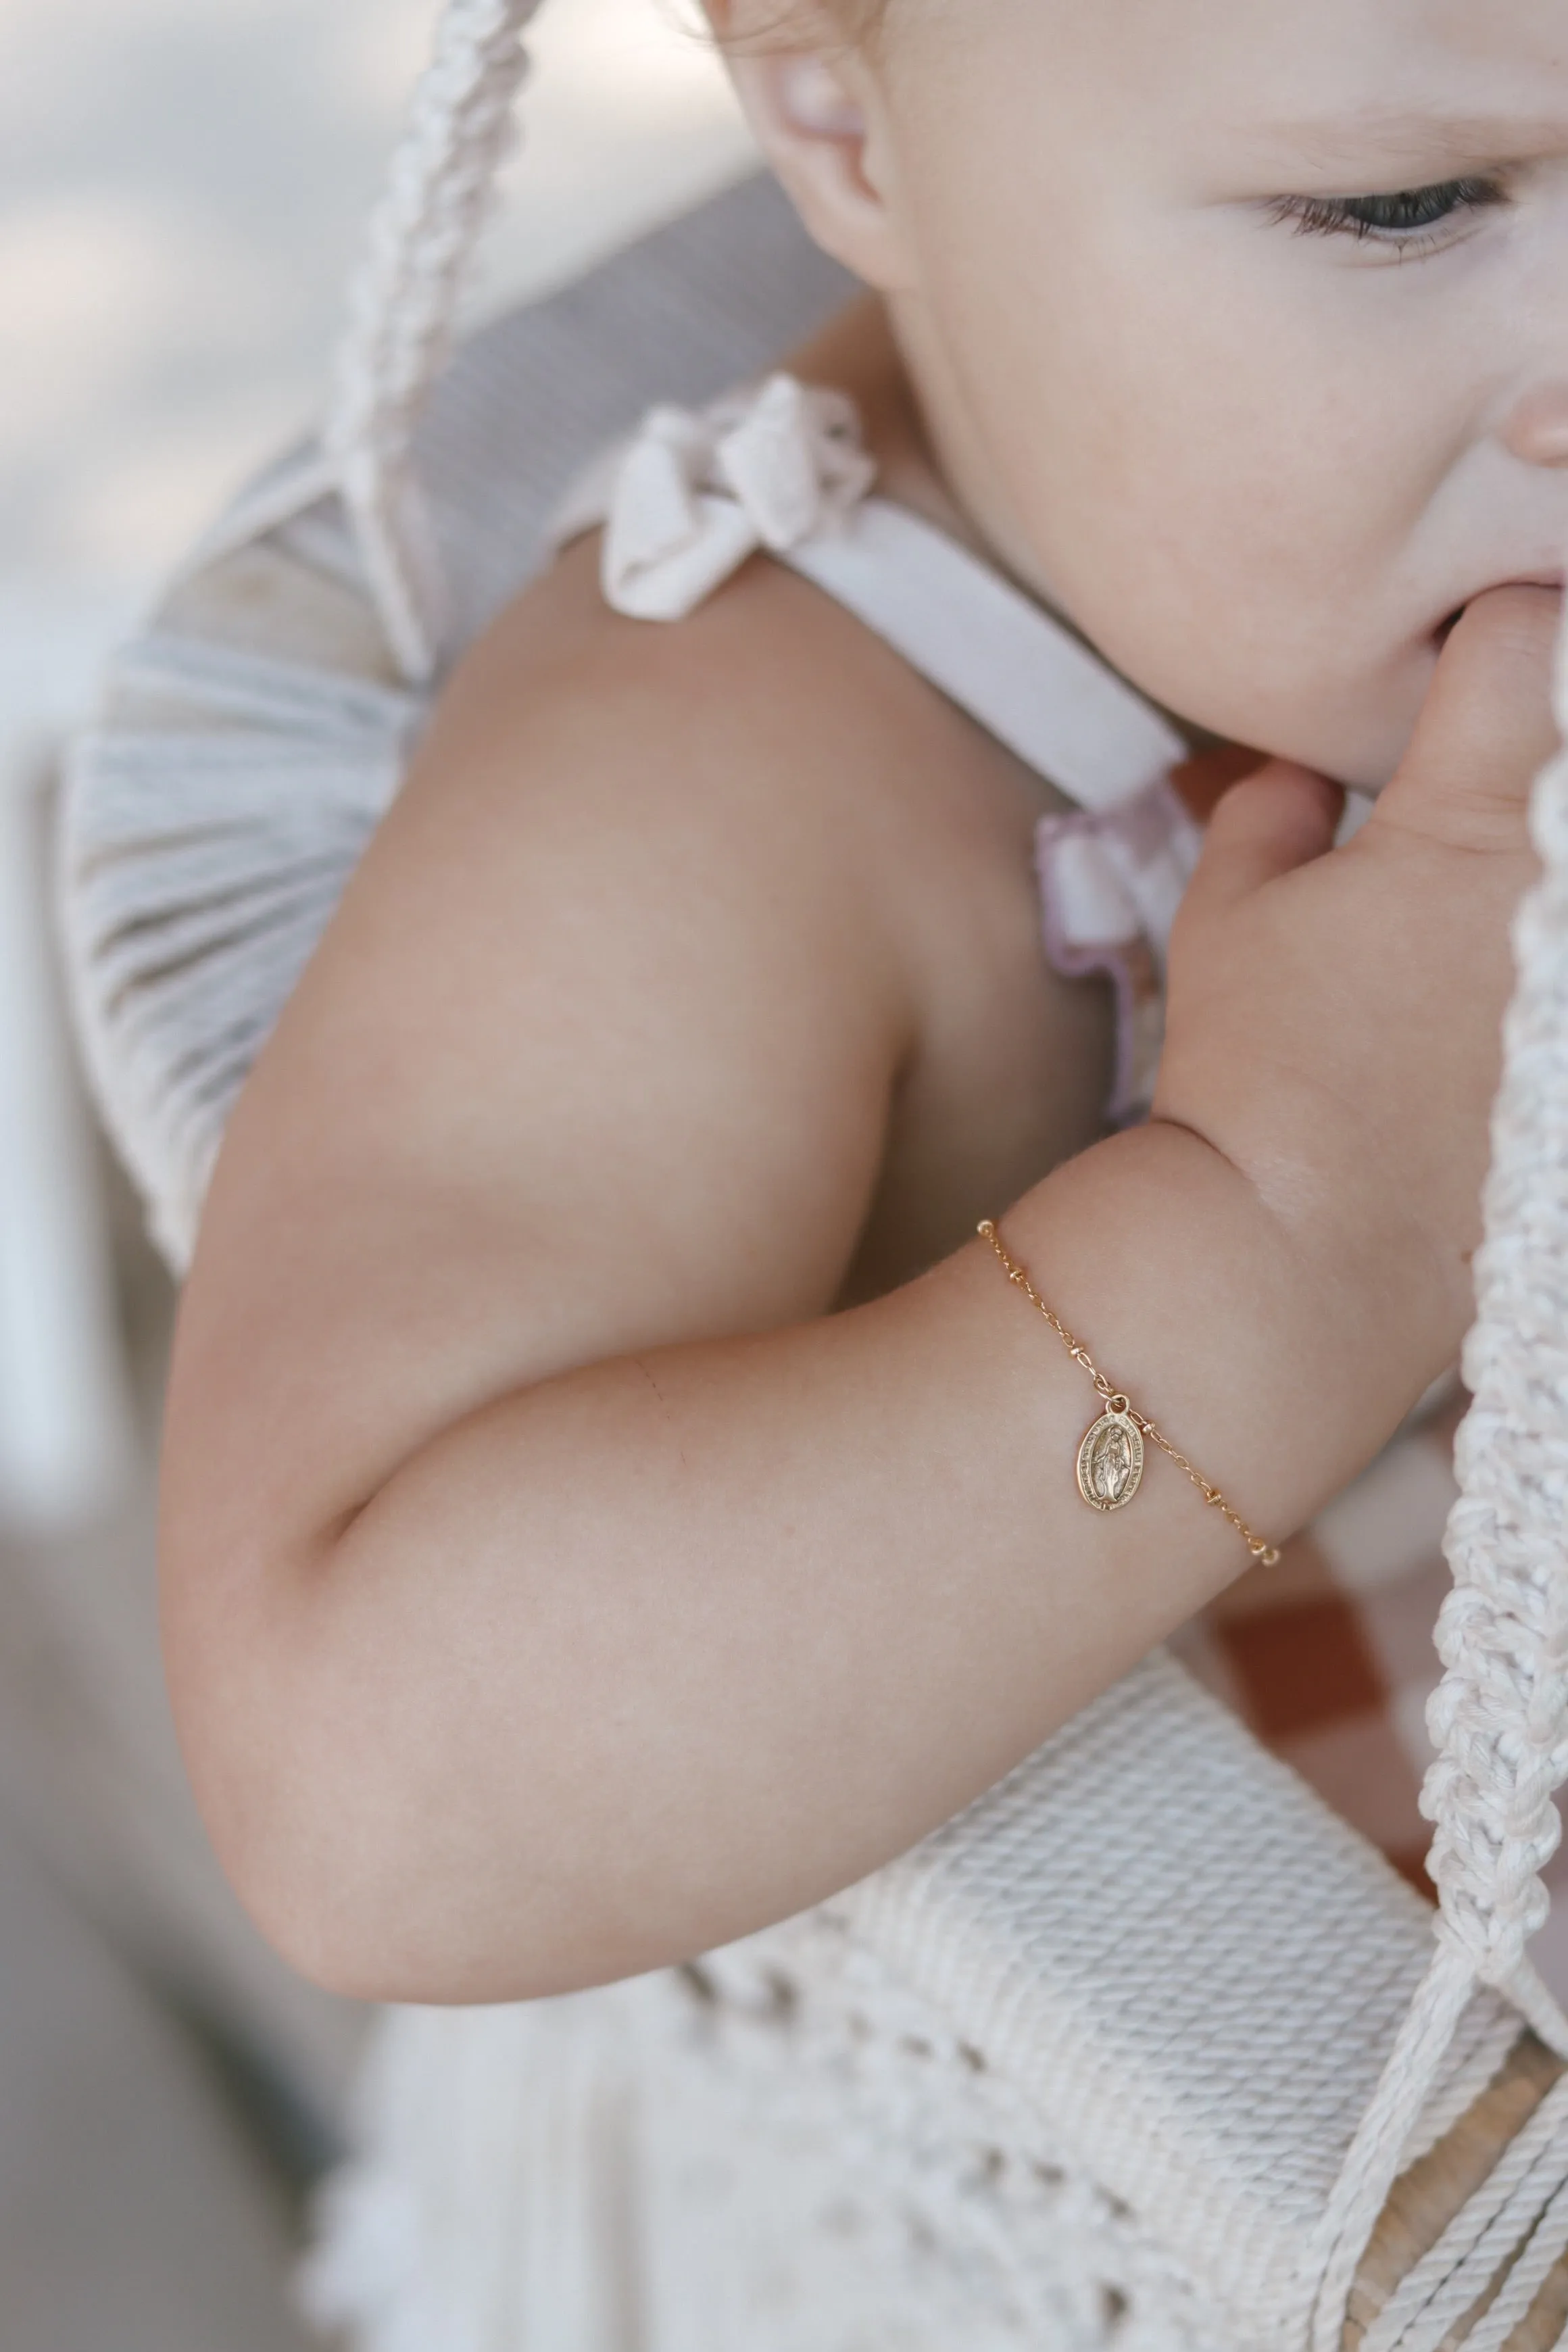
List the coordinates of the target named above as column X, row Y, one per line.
column 376, row 1927
column 352, row 1898
column 353, row 1867
column 352, row 1941
column 326, row 1932
column 312, row 1876
column 339, row 1886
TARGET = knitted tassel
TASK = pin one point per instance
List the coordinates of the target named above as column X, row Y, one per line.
column 493, row 2205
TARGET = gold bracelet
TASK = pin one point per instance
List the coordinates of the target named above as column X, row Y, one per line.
column 1111, row 1458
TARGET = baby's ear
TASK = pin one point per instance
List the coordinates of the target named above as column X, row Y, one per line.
column 818, row 113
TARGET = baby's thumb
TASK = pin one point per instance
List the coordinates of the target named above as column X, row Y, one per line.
column 1271, row 822
column 1486, row 729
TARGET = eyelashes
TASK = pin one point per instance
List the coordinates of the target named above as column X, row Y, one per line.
column 1411, row 218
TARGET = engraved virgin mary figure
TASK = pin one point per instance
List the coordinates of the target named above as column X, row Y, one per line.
column 1110, row 1463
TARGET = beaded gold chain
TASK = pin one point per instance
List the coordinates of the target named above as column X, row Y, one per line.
column 1111, row 1457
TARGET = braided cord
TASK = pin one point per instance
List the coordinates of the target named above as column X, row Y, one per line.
column 402, row 304
column 1500, row 1717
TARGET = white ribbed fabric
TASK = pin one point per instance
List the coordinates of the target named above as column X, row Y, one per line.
column 1131, row 2051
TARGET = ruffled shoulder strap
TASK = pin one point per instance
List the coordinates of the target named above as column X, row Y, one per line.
column 780, row 467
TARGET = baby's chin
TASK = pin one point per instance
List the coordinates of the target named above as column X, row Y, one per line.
column 1340, row 697
column 1348, row 723
column 1354, row 730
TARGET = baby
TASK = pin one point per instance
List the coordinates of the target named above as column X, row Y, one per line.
column 612, row 1500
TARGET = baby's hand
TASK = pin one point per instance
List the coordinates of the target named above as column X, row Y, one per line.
column 1334, row 1020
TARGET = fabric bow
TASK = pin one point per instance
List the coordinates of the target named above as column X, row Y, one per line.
column 1109, row 887
column 693, row 496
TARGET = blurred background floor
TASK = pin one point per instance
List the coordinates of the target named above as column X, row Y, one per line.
column 136, row 2214
column 181, row 190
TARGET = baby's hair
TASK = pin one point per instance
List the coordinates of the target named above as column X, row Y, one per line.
column 856, row 21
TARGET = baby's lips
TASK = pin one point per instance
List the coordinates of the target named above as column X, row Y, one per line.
column 1514, row 627
column 1550, row 579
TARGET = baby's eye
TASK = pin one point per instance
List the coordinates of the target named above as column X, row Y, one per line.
column 1403, row 219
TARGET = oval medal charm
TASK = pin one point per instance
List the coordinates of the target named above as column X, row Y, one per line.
column 1110, row 1463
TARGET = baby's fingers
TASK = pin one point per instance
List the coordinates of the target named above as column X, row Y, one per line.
column 1486, row 729
column 1265, row 826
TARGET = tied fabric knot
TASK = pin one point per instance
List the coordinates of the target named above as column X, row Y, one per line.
column 780, row 466
column 694, row 495
column 1110, row 882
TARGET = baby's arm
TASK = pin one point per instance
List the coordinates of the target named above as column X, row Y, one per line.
column 531, row 1620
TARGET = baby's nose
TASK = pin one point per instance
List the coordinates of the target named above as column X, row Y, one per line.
column 1537, row 426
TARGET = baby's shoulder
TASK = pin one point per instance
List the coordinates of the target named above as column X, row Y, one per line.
column 767, row 680
column 770, row 723
column 740, row 890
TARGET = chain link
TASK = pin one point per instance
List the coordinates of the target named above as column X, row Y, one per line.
column 1264, row 1553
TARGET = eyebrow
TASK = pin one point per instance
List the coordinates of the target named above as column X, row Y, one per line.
column 1369, row 136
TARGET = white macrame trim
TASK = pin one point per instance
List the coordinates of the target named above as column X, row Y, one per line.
column 1499, row 1717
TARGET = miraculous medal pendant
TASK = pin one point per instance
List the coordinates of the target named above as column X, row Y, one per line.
column 1111, row 1460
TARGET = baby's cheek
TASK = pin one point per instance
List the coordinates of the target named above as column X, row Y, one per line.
column 1243, row 606
column 1212, row 504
